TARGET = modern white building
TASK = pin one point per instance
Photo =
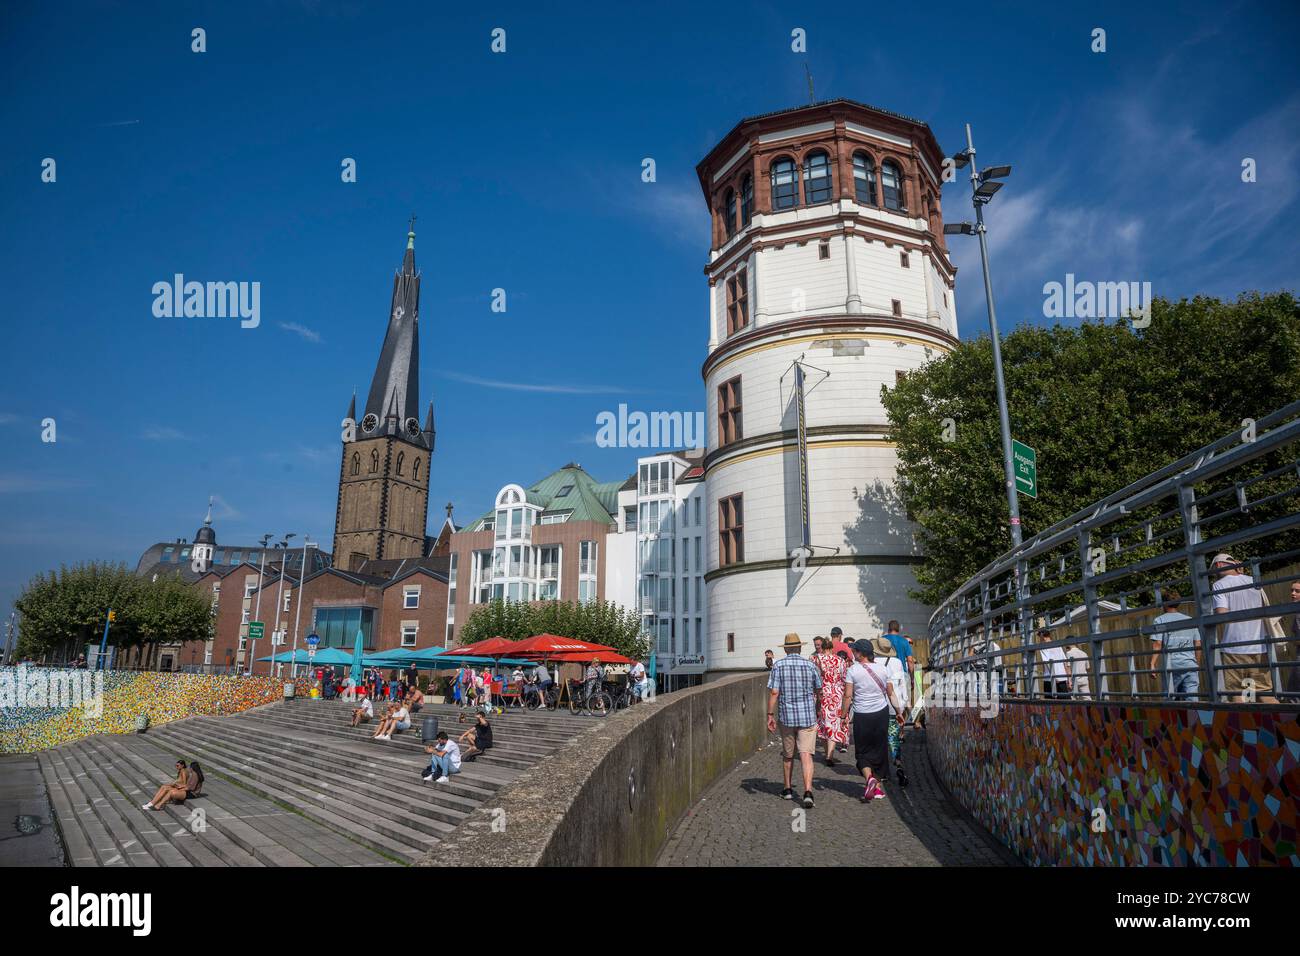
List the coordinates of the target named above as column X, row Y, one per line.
column 828, row 263
column 663, row 529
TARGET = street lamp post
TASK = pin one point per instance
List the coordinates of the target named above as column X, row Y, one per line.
column 257, row 613
column 273, row 668
column 297, row 610
column 984, row 184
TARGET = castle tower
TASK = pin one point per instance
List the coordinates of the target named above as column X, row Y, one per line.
column 829, row 279
column 383, row 498
column 205, row 543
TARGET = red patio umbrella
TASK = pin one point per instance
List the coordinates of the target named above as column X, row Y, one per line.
column 492, row 647
column 606, row 657
column 552, row 646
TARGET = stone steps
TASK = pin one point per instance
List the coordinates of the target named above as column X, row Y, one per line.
column 287, row 785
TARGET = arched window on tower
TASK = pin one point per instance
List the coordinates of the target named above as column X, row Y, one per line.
column 415, row 470
column 746, row 200
column 816, row 178
column 356, row 463
column 401, row 460
column 891, row 183
column 730, row 206
column 864, row 179
column 374, row 460
column 785, row 184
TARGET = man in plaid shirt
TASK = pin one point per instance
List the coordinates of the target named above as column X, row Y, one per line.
column 794, row 686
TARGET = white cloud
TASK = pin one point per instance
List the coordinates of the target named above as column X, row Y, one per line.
column 527, row 387
column 164, row 433
column 311, row 335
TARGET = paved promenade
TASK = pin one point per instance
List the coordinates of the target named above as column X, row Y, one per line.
column 742, row 820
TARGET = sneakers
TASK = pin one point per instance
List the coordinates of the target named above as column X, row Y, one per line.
column 443, row 780
column 807, row 800
column 902, row 776
column 787, row 794
column 872, row 791
column 146, row 806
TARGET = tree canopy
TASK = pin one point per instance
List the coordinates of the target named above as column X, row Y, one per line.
column 66, row 609
column 1103, row 405
column 600, row 622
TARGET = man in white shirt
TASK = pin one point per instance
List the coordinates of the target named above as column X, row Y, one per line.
column 445, row 761
column 1243, row 652
column 1055, row 680
column 1076, row 662
column 636, row 678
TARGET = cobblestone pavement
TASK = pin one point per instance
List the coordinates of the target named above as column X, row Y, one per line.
column 742, row 820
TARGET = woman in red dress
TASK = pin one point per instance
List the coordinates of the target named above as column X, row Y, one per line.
column 830, row 723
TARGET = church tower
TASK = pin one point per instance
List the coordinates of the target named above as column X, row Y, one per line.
column 384, row 474
column 205, row 543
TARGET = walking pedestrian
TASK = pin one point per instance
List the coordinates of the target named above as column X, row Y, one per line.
column 794, row 686
column 1176, row 653
column 887, row 658
column 1242, row 644
column 902, row 646
column 830, row 720
column 868, row 695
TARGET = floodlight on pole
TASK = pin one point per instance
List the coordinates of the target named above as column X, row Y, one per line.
column 983, row 187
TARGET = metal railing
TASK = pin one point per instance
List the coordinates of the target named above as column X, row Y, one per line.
column 1072, row 612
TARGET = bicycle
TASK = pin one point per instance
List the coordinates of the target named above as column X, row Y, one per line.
column 598, row 702
column 548, row 699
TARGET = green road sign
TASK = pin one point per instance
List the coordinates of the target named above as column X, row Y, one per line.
column 256, row 629
column 1026, row 462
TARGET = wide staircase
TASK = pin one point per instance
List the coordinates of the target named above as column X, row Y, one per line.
column 287, row 785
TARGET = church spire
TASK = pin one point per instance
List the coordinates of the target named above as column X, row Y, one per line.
column 392, row 405
column 430, row 433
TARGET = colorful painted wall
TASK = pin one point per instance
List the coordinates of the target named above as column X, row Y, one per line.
column 35, row 713
column 1178, row 786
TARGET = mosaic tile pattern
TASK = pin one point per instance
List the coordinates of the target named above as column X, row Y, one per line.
column 1116, row 785
column 163, row 697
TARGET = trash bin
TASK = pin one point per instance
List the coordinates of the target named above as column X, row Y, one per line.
column 288, row 690
column 141, row 723
column 429, row 730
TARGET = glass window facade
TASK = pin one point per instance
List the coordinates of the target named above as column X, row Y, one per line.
column 337, row 626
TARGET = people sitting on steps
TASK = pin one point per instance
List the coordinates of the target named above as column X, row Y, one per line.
column 363, row 711
column 444, row 762
column 398, row 718
column 188, row 783
column 478, row 738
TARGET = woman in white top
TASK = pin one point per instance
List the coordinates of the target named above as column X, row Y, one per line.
column 870, row 697
column 897, row 674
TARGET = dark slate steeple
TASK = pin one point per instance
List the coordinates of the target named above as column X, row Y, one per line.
column 392, row 407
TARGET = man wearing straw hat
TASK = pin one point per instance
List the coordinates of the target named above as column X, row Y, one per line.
column 794, row 686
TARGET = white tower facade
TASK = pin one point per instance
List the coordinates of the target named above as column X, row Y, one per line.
column 828, row 263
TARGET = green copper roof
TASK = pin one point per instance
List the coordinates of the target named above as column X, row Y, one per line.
column 587, row 499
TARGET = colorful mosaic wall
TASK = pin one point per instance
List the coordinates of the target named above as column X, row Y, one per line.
column 32, row 719
column 1174, row 786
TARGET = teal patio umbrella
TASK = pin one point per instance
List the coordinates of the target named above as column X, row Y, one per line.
column 355, row 672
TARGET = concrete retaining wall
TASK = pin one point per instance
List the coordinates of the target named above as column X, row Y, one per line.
column 613, row 795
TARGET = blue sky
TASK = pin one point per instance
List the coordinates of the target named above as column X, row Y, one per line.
column 524, row 170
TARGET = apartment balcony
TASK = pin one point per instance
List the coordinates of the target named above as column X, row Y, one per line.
column 550, row 572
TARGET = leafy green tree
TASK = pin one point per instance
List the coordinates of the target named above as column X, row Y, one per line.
column 65, row 610
column 1103, row 405
column 600, row 622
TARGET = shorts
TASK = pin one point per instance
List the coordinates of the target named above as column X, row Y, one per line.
column 802, row 739
column 1252, row 667
column 403, row 725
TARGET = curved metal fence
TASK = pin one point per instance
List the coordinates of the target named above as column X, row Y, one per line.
column 1183, row 586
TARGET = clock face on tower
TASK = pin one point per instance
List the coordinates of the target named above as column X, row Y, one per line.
column 370, row 422
column 413, row 427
